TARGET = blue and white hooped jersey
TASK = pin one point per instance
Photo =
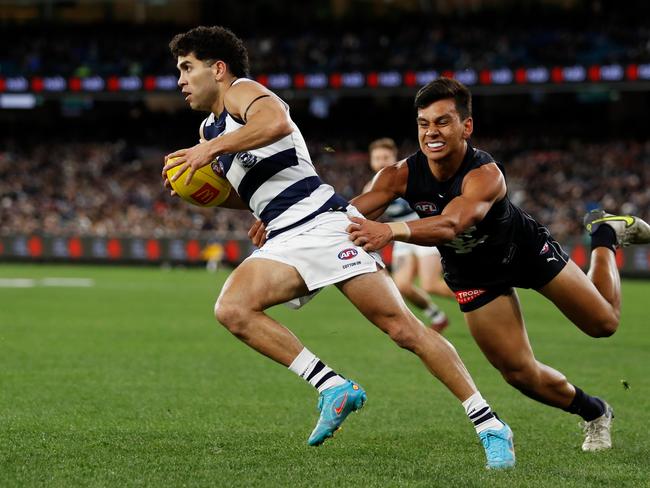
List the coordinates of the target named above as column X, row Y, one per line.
column 278, row 182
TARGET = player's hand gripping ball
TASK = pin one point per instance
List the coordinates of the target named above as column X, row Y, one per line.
column 207, row 188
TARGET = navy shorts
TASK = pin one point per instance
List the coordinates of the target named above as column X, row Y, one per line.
column 536, row 261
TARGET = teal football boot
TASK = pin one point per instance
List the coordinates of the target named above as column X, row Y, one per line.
column 499, row 448
column 335, row 404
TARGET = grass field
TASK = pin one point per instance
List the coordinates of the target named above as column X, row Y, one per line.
column 131, row 382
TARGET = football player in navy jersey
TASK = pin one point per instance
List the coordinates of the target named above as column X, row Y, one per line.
column 489, row 246
column 410, row 261
column 264, row 156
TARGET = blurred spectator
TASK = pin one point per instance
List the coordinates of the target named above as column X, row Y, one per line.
column 516, row 38
column 115, row 189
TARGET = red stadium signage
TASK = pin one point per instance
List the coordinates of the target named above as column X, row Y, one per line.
column 153, row 250
column 611, row 73
column 114, row 249
column 35, row 247
column 75, row 248
column 193, row 250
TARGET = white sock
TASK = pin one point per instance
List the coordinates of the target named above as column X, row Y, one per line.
column 431, row 310
column 318, row 374
column 480, row 414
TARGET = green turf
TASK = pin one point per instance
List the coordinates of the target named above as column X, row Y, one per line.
column 132, row 383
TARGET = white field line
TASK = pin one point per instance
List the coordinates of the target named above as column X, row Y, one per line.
column 72, row 282
column 17, row 283
column 51, row 282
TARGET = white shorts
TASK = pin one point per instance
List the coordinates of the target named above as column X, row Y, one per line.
column 321, row 251
column 401, row 249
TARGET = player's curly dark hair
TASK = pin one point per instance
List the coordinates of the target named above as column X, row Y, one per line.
column 213, row 43
column 444, row 88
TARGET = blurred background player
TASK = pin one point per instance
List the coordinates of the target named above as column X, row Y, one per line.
column 411, row 261
column 212, row 254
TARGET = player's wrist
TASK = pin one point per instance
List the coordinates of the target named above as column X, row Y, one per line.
column 400, row 230
column 215, row 147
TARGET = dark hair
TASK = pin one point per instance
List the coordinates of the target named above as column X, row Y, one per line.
column 444, row 88
column 385, row 143
column 213, row 43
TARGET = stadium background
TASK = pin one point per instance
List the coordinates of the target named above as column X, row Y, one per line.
column 89, row 106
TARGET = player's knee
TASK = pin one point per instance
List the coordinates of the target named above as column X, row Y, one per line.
column 428, row 289
column 603, row 326
column 429, row 286
column 523, row 377
column 404, row 334
column 231, row 316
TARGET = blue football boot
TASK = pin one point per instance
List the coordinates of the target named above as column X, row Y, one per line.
column 335, row 404
column 499, row 449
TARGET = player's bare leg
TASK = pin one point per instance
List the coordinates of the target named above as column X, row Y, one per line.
column 258, row 284
column 430, row 273
column 594, row 312
column 604, row 274
column 593, row 302
column 377, row 298
column 405, row 270
column 404, row 273
column 499, row 330
column 251, row 288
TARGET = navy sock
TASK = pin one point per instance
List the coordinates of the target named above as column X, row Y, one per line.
column 585, row 405
column 604, row 236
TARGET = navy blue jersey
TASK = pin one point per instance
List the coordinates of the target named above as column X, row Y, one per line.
column 490, row 253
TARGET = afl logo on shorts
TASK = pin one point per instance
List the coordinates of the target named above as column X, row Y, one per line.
column 426, row 207
column 348, row 253
column 544, row 249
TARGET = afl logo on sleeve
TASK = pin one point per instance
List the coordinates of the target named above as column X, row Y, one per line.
column 428, row 208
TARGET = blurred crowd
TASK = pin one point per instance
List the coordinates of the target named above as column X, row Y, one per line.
column 115, row 188
column 479, row 40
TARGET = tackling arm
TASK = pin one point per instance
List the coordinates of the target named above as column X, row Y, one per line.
column 481, row 188
column 387, row 185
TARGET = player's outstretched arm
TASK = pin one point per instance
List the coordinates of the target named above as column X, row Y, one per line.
column 481, row 188
column 387, row 185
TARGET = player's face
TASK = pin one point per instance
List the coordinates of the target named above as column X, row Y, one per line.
column 380, row 157
column 441, row 132
column 197, row 82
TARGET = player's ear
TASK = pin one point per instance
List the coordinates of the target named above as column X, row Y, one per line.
column 468, row 127
column 219, row 69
